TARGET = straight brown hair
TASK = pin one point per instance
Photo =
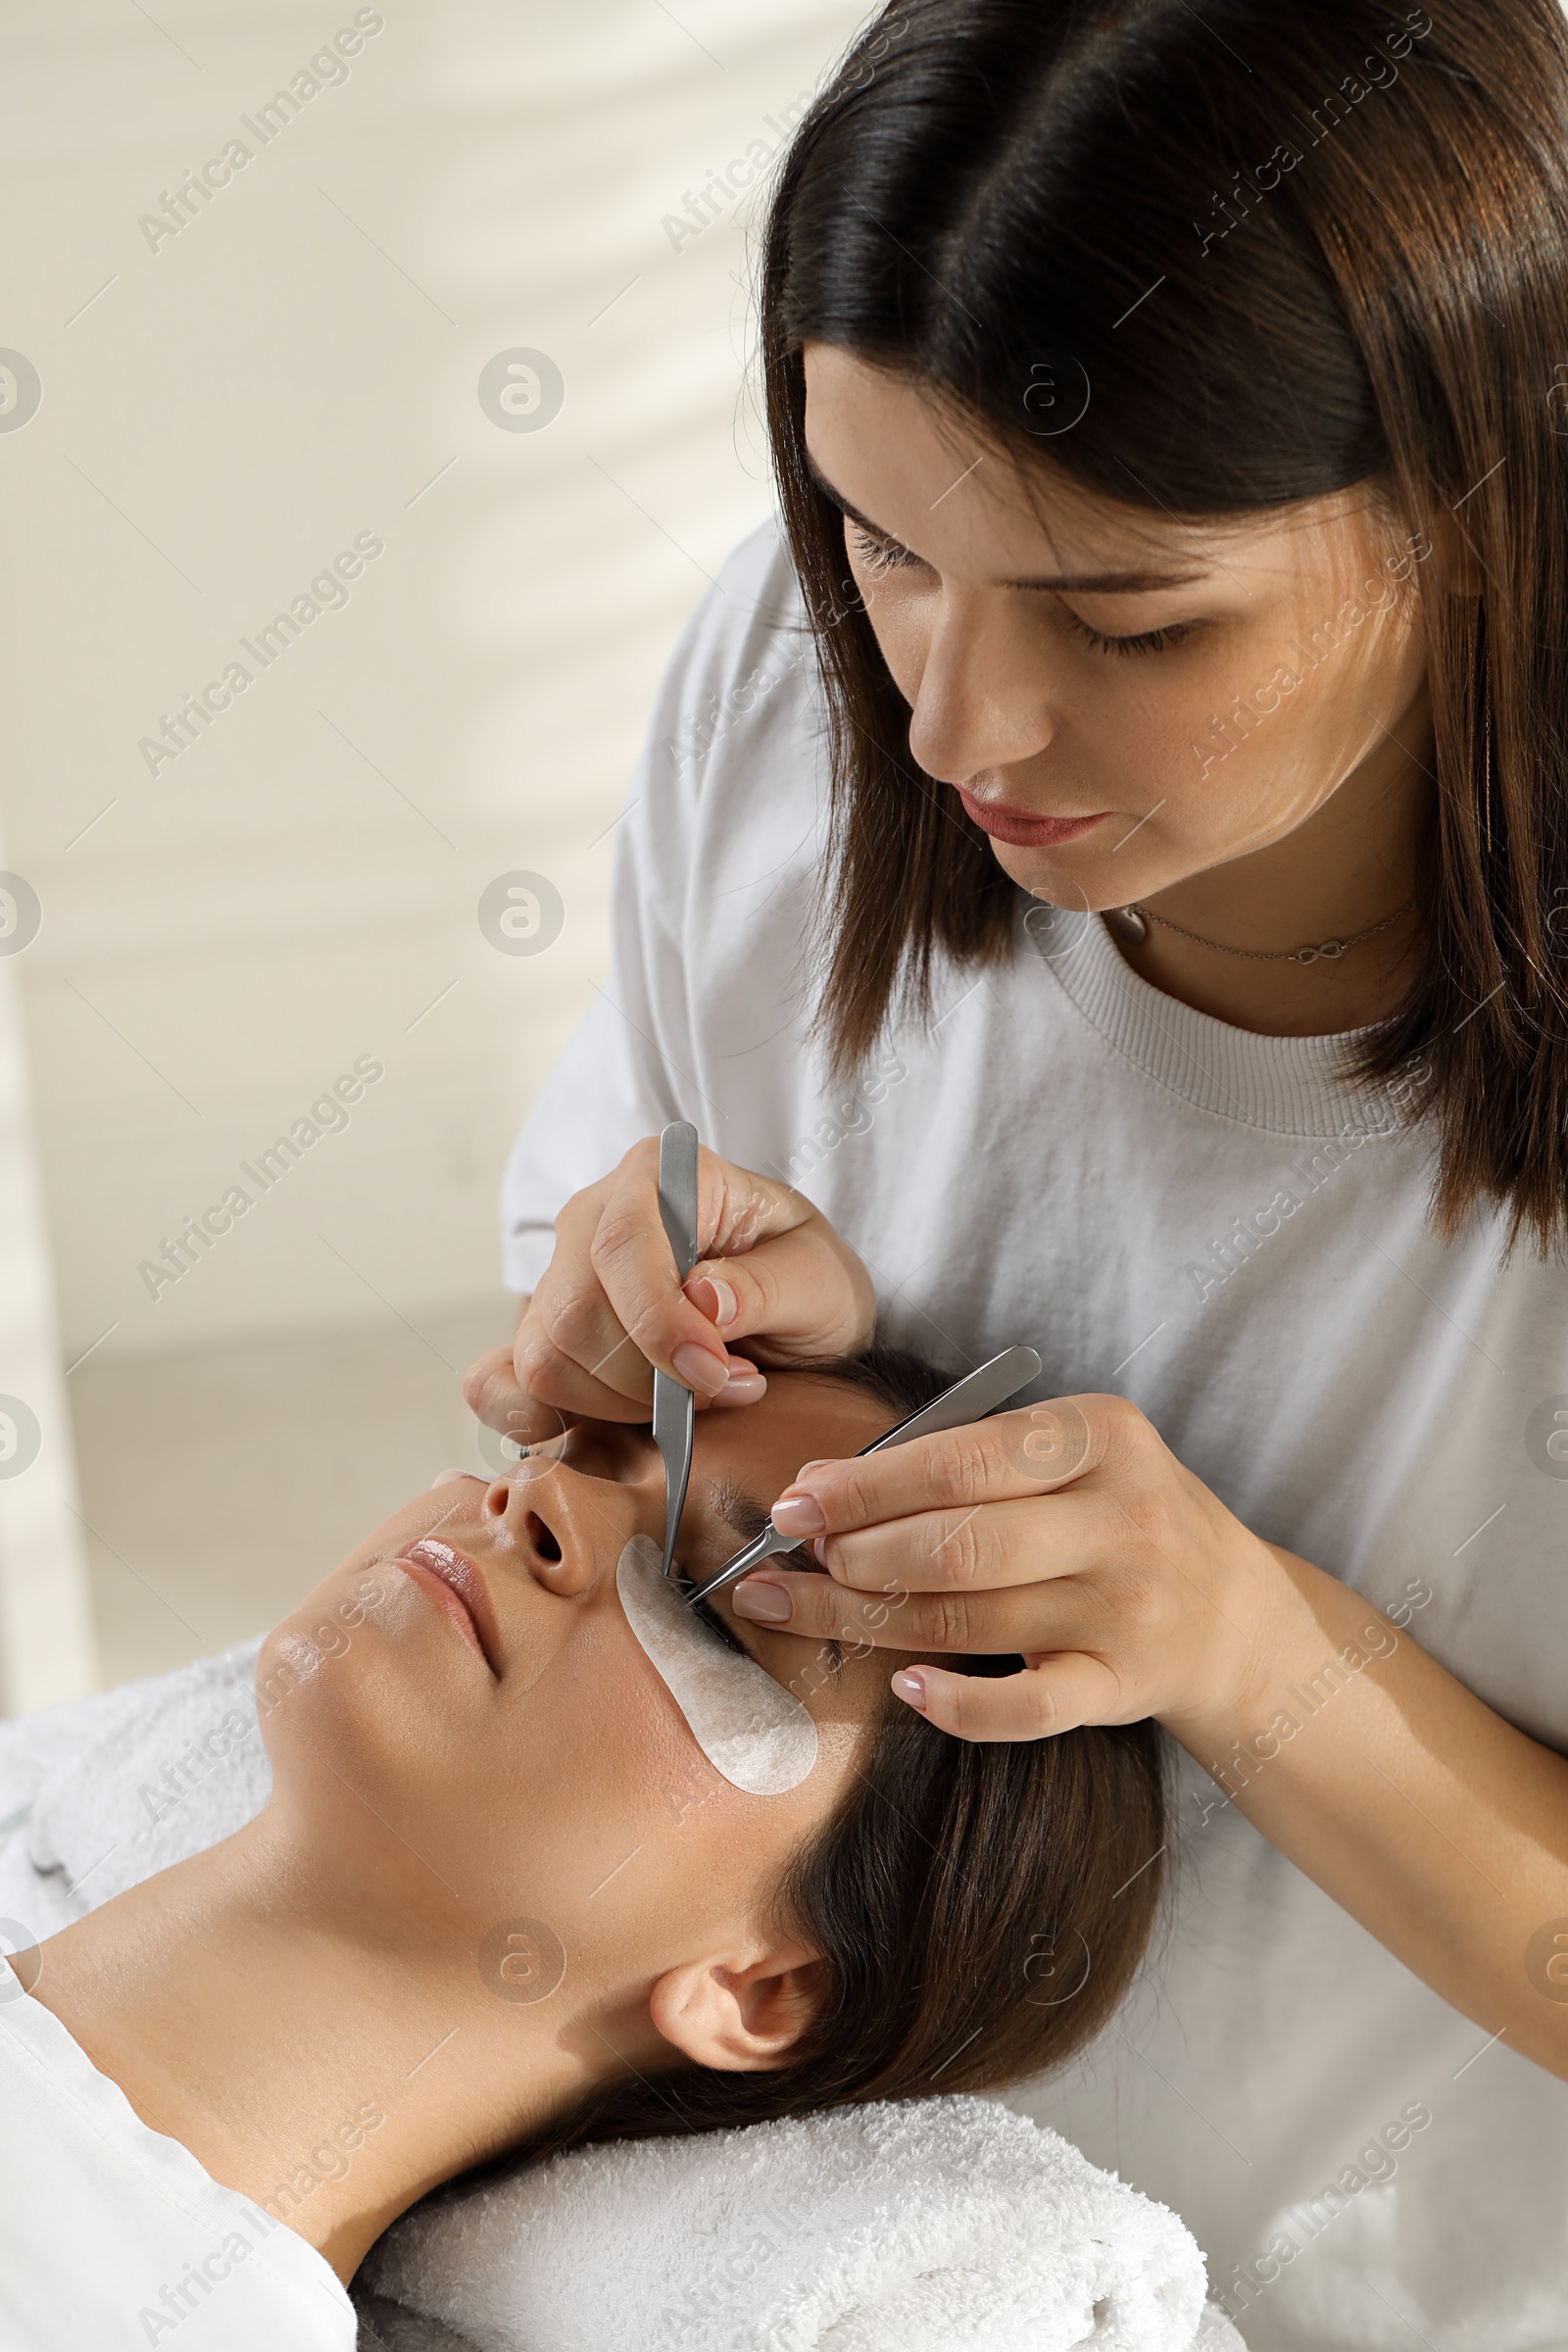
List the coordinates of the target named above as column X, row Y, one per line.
column 1357, row 221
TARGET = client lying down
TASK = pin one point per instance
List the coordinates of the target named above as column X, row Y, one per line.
column 507, row 1899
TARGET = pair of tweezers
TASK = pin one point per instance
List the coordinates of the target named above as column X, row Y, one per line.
column 675, row 1408
column 977, row 1394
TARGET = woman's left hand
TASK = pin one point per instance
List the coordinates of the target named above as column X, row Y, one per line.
column 1066, row 1532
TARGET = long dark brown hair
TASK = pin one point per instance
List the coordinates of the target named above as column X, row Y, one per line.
column 979, row 1908
column 1356, row 220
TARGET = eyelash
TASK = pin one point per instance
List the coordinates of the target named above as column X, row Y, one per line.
column 706, row 1615
column 1152, row 641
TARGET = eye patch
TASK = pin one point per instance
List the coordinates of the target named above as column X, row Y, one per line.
column 752, row 1730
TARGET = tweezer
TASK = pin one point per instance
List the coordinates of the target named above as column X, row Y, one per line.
column 675, row 1408
column 978, row 1392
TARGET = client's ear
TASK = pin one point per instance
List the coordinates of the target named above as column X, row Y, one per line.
column 741, row 2019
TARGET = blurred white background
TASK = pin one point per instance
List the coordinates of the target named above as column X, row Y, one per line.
column 225, row 408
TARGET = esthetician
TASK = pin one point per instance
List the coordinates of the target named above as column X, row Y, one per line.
column 1098, row 877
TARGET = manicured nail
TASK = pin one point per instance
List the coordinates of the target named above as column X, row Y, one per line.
column 712, row 1296
column 768, row 1603
column 911, row 1688
column 798, row 1515
column 743, row 1387
column 701, row 1369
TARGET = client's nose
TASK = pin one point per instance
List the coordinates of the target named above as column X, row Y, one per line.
column 567, row 1527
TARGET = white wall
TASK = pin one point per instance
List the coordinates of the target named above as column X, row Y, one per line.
column 222, row 414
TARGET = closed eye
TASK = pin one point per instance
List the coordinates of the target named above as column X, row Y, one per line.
column 706, row 1614
column 745, row 1514
column 883, row 555
column 1152, row 641
column 886, row 555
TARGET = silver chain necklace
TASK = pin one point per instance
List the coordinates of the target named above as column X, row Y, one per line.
column 1131, row 923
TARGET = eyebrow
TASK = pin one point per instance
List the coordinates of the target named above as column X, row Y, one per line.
column 1079, row 583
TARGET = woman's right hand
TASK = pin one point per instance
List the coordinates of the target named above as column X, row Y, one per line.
column 773, row 1274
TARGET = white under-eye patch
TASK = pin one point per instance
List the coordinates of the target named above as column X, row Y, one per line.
column 749, row 1727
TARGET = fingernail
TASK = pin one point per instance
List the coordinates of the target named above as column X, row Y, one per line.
column 701, row 1369
column 798, row 1515
column 712, row 1296
column 743, row 1388
column 911, row 1688
column 768, row 1605
column 819, row 1550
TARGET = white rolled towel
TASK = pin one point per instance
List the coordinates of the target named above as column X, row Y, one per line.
column 97, row 1794
column 938, row 2225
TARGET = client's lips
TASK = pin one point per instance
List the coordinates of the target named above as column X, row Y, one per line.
column 1022, row 829
column 451, row 1580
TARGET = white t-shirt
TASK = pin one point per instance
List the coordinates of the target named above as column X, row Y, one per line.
column 112, row 2235
column 1211, row 1223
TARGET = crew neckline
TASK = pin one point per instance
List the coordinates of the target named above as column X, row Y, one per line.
column 36, row 2038
column 1288, row 1086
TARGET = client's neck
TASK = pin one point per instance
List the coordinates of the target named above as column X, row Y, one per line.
column 330, row 2072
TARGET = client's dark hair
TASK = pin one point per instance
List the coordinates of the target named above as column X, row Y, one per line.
column 980, row 1908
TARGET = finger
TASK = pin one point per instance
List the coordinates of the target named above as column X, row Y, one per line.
column 561, row 1388
column 1056, row 1695
column 491, row 1394
column 1026, row 1541
column 490, row 1389
column 635, row 1293
column 1029, row 1451
column 796, row 1293
column 575, row 1349
column 633, row 1308
column 1029, row 1618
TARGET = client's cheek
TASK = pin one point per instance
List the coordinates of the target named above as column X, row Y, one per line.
column 758, row 1736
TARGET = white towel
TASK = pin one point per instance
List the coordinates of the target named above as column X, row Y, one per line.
column 101, row 1793
column 940, row 2225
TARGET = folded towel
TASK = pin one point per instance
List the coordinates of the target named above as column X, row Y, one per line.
column 940, row 2225
column 101, row 1793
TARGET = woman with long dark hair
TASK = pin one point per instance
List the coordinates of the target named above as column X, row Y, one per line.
column 1100, row 876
